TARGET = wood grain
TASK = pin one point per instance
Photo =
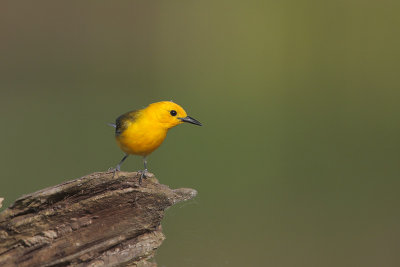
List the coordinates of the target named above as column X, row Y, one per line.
column 95, row 220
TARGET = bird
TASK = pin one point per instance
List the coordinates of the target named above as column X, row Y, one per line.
column 140, row 132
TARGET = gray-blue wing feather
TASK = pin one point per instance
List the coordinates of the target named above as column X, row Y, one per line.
column 121, row 121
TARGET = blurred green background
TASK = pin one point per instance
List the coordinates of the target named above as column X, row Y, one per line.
column 297, row 163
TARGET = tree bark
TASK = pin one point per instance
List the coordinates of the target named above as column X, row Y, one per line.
column 96, row 220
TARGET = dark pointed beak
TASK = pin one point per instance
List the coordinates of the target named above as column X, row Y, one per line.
column 190, row 120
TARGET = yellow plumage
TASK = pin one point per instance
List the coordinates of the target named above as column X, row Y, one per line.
column 142, row 131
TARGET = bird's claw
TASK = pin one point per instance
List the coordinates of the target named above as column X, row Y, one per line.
column 114, row 170
column 142, row 174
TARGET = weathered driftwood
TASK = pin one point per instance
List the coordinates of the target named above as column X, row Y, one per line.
column 95, row 220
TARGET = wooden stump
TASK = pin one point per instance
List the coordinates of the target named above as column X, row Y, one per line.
column 95, row 220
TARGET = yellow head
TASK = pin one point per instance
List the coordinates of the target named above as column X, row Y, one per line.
column 168, row 114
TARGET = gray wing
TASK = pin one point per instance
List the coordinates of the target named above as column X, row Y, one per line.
column 121, row 122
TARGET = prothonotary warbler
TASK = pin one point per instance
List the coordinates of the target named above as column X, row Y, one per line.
column 140, row 132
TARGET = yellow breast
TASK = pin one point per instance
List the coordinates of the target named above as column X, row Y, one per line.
column 141, row 138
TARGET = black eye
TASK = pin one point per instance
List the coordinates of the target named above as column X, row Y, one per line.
column 173, row 113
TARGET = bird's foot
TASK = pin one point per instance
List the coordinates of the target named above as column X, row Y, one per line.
column 142, row 174
column 114, row 170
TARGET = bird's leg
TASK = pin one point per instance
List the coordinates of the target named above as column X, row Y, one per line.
column 143, row 173
column 118, row 168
